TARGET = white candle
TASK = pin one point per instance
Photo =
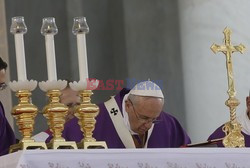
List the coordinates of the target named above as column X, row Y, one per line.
column 50, row 56
column 49, row 29
column 20, row 57
column 82, row 57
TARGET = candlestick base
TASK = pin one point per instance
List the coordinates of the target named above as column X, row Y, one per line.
column 55, row 113
column 25, row 113
column 92, row 145
column 27, row 145
column 61, row 144
column 86, row 113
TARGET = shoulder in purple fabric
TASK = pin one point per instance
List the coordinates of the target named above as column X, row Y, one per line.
column 218, row 133
column 167, row 133
column 7, row 137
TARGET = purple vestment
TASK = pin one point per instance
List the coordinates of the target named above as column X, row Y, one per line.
column 167, row 133
column 218, row 133
column 7, row 136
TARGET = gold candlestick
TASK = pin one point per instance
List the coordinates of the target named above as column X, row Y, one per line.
column 55, row 113
column 86, row 113
column 232, row 129
column 25, row 113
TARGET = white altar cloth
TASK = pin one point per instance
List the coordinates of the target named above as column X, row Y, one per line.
column 130, row 158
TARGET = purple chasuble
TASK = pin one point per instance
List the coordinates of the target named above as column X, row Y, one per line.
column 167, row 133
column 7, row 136
column 218, row 133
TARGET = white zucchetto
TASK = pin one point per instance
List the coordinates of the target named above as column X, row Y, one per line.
column 147, row 88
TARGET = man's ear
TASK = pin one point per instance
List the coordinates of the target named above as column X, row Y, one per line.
column 248, row 100
column 127, row 105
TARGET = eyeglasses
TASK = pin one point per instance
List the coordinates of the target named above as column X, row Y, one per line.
column 144, row 119
column 3, row 86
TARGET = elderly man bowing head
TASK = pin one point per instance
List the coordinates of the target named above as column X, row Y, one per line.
column 142, row 112
column 143, row 105
column 134, row 119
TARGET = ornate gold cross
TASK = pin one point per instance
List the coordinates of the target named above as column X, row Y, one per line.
column 228, row 49
column 232, row 129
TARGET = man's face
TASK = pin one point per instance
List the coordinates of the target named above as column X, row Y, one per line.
column 143, row 113
column 2, row 79
column 70, row 98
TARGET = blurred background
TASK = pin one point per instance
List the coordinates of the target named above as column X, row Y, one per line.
column 162, row 40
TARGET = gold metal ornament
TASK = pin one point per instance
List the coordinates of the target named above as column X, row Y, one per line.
column 86, row 113
column 25, row 113
column 232, row 129
column 55, row 113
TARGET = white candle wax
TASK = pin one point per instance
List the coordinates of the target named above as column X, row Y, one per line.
column 20, row 57
column 50, row 56
column 82, row 57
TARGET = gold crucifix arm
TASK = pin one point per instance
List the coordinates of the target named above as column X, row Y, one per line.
column 217, row 48
column 241, row 48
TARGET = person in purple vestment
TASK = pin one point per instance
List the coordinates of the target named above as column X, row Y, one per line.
column 243, row 119
column 133, row 119
column 7, row 136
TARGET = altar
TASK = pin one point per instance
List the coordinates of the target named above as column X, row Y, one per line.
column 129, row 158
